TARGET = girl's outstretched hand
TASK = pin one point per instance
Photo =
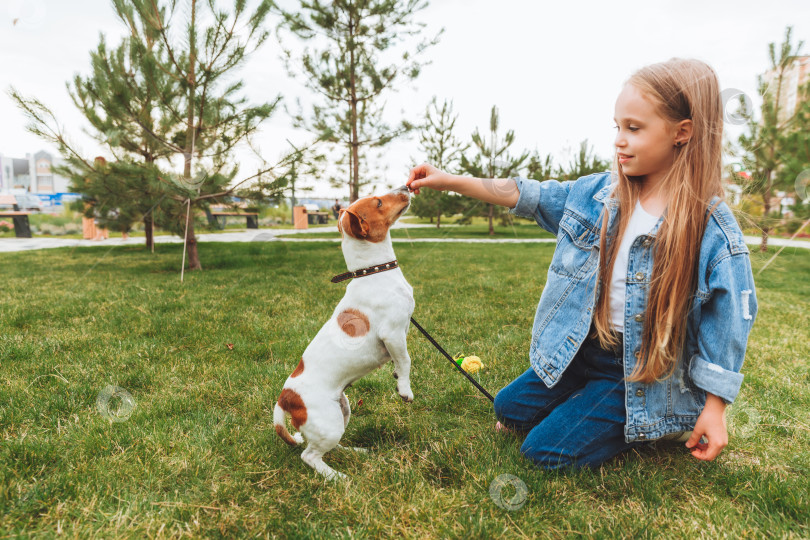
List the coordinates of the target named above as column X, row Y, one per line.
column 712, row 424
column 426, row 175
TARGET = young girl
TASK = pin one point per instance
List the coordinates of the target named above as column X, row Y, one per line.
column 643, row 322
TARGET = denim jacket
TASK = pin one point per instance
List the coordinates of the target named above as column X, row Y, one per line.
column 724, row 305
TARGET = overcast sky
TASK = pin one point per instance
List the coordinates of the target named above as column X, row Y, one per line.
column 554, row 69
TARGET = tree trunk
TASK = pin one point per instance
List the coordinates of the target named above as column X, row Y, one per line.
column 355, row 180
column 191, row 239
column 148, row 229
column 438, row 219
column 766, row 207
column 193, row 257
column 491, row 211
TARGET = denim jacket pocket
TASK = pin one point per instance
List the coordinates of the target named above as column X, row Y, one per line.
column 577, row 239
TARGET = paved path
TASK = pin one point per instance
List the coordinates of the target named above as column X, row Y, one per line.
column 268, row 235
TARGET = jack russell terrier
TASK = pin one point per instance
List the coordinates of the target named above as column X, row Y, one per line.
column 367, row 329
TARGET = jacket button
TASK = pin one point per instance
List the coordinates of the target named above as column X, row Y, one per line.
column 639, row 317
column 646, row 242
column 640, row 392
column 639, row 276
column 642, row 436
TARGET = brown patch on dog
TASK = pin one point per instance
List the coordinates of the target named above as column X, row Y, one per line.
column 285, row 435
column 299, row 369
column 292, row 403
column 354, row 322
column 370, row 218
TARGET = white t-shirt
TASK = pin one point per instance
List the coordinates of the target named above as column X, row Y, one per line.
column 640, row 223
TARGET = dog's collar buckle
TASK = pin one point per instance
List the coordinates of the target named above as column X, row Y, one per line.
column 366, row 271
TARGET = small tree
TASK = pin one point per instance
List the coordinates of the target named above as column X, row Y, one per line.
column 212, row 117
column 200, row 58
column 493, row 160
column 123, row 99
column 351, row 68
column 585, row 162
column 761, row 150
column 441, row 148
column 540, row 168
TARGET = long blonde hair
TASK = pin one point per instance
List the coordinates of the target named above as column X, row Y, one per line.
column 680, row 89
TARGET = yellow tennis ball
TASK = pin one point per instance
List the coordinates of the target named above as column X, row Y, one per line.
column 471, row 364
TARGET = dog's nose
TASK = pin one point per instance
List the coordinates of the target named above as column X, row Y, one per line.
column 402, row 189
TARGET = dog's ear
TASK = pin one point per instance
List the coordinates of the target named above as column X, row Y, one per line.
column 357, row 225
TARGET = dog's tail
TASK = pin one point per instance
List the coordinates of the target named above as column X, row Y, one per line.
column 280, row 419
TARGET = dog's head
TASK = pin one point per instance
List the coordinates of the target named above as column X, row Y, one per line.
column 370, row 218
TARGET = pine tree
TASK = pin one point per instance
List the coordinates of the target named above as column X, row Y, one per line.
column 201, row 58
column 584, row 162
column 349, row 62
column 123, row 101
column 539, row 168
column 763, row 147
column 212, row 117
column 493, row 160
column 441, row 148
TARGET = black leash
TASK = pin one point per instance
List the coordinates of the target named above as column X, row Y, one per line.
column 390, row 266
column 458, row 367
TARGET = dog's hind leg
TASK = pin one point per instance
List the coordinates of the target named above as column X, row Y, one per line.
column 345, row 409
column 323, row 430
column 347, row 413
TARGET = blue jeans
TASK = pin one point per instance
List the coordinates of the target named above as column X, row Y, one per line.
column 580, row 421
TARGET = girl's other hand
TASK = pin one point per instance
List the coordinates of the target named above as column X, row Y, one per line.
column 712, row 424
column 426, row 175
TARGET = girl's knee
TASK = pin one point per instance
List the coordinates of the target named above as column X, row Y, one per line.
column 547, row 457
column 501, row 404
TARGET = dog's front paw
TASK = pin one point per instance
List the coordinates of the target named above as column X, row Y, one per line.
column 406, row 395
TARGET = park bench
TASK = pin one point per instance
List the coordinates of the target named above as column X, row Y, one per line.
column 218, row 217
column 22, row 228
column 317, row 217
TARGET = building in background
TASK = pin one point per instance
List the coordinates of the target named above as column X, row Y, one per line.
column 790, row 98
column 34, row 175
column 796, row 75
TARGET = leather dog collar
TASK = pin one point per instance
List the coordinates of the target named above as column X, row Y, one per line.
column 363, row 272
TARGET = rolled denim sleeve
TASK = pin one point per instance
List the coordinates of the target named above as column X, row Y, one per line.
column 542, row 201
column 725, row 323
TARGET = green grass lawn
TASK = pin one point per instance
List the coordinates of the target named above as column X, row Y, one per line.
column 478, row 229
column 204, row 361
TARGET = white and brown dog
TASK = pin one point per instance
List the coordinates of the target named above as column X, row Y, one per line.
column 367, row 329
